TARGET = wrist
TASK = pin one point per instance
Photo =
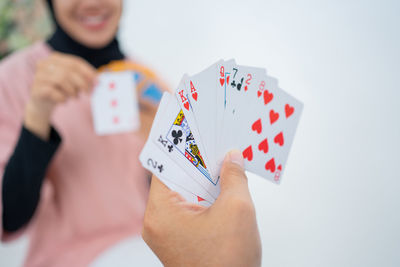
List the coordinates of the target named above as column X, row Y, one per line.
column 37, row 121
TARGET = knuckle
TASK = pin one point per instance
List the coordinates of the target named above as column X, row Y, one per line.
column 232, row 169
column 40, row 63
column 83, row 65
column 63, row 77
column 54, row 56
column 71, row 90
column 76, row 63
column 242, row 206
column 86, row 74
column 80, row 84
column 174, row 195
column 52, row 95
column 60, row 98
column 144, row 234
column 64, row 60
column 40, row 91
column 79, row 61
column 46, row 90
column 74, row 66
column 150, row 228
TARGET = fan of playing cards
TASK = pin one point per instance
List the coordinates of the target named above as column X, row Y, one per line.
column 226, row 106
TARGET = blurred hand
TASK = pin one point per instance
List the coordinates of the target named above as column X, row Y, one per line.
column 185, row 234
column 57, row 78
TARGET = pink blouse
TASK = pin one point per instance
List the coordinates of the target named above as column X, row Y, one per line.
column 95, row 190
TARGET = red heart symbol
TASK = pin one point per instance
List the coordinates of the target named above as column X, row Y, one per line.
column 221, row 81
column 111, row 86
column 259, row 93
column 288, row 110
column 114, row 103
column 263, row 146
column 270, row 165
column 267, row 97
column 245, row 88
column 248, row 153
column 186, row 105
column 115, row 120
column 194, row 95
column 199, row 199
column 257, row 126
column 279, row 139
column 280, row 167
column 273, row 116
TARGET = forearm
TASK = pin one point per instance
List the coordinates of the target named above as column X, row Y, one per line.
column 23, row 177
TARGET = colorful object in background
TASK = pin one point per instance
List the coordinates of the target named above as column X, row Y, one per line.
column 152, row 93
column 144, row 77
column 22, row 22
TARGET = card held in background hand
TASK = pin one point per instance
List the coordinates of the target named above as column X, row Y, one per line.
column 114, row 104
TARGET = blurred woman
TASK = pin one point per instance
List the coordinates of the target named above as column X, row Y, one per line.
column 73, row 192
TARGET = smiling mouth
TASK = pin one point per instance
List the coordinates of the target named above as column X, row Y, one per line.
column 94, row 22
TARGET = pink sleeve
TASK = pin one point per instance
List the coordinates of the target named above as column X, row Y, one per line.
column 16, row 74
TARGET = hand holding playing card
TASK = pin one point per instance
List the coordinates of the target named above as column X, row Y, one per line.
column 226, row 106
column 57, row 78
column 185, row 234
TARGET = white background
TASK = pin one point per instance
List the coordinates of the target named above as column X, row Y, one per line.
column 339, row 203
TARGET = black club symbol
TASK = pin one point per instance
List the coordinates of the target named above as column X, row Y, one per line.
column 177, row 136
column 170, row 148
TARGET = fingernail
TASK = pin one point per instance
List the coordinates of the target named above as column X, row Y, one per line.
column 236, row 156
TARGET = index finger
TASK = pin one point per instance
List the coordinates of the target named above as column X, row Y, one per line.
column 158, row 188
column 78, row 65
column 82, row 66
column 160, row 193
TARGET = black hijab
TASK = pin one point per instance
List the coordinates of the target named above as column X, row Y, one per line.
column 60, row 41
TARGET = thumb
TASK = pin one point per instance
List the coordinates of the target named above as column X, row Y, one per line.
column 233, row 178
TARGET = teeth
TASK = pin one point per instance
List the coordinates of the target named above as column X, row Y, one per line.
column 93, row 19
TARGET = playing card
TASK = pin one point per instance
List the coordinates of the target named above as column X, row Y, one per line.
column 243, row 83
column 201, row 89
column 188, row 196
column 242, row 101
column 226, row 106
column 266, row 132
column 172, row 134
column 114, row 104
column 185, row 105
column 253, row 96
column 223, row 80
column 153, row 159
